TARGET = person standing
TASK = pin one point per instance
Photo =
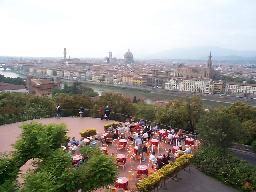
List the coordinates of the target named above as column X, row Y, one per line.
column 58, row 111
column 107, row 112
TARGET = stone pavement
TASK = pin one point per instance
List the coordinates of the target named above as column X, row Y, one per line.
column 195, row 181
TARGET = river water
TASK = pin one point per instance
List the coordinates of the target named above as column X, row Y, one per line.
column 9, row 73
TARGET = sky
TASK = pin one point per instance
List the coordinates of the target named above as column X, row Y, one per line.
column 92, row 28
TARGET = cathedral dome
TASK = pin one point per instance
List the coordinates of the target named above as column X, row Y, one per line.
column 128, row 57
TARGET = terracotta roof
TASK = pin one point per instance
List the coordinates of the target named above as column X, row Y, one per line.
column 8, row 86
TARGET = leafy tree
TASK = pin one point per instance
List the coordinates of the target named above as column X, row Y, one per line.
column 218, row 128
column 98, row 171
column 145, row 111
column 39, row 141
column 16, row 81
column 249, row 131
column 71, row 103
column 242, row 111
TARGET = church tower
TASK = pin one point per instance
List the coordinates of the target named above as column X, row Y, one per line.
column 209, row 63
column 209, row 66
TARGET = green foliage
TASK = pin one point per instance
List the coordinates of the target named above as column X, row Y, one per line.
column 88, row 132
column 88, row 151
column 254, row 146
column 76, row 88
column 218, row 128
column 8, row 169
column 151, row 182
column 16, row 81
column 99, row 170
column 40, row 182
column 39, row 141
column 19, row 107
column 8, row 186
column 119, row 105
column 145, row 111
column 220, row 164
column 70, row 104
column 249, row 131
column 242, row 111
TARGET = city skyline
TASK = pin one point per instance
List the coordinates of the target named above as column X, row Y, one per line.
column 92, row 28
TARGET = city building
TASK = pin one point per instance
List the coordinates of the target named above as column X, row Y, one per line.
column 128, row 57
column 7, row 87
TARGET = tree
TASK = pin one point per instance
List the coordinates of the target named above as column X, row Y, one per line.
column 218, row 129
column 242, row 111
column 249, row 131
column 145, row 111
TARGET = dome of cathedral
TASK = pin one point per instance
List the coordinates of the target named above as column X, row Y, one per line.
column 128, row 54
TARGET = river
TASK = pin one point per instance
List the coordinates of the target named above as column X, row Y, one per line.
column 9, row 73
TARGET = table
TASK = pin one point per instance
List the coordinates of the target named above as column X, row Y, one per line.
column 121, row 158
column 163, row 132
column 104, row 150
column 121, row 182
column 189, row 141
column 123, row 142
column 174, row 149
column 154, row 142
column 142, row 170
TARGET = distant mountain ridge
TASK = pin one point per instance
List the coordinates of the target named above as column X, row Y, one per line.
column 203, row 52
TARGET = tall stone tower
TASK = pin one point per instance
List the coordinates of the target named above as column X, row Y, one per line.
column 65, row 54
column 209, row 66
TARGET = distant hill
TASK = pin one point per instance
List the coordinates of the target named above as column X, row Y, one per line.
column 203, row 52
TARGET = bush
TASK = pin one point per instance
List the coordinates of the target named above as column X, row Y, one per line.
column 148, row 183
column 254, row 146
column 114, row 125
column 222, row 165
column 88, row 132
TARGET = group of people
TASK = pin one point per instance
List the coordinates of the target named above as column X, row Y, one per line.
column 81, row 111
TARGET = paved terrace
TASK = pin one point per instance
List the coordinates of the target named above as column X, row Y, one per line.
column 194, row 181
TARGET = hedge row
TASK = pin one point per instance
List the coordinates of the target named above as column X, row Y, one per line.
column 113, row 125
column 88, row 132
column 226, row 168
column 150, row 182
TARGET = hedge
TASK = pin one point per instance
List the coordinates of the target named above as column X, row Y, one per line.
column 88, row 132
column 225, row 167
column 149, row 183
column 114, row 125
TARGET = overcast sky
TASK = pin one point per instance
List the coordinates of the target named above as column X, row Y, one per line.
column 91, row 28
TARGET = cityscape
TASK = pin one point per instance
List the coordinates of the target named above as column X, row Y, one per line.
column 127, row 96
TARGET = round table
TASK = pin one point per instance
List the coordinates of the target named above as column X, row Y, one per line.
column 104, row 150
column 123, row 142
column 174, row 149
column 154, row 142
column 189, row 141
column 163, row 132
column 142, row 170
column 121, row 158
column 121, row 182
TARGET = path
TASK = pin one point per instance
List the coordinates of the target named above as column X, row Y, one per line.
column 196, row 181
column 10, row 132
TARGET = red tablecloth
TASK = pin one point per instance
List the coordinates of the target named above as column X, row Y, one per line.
column 163, row 132
column 154, row 142
column 142, row 169
column 121, row 158
column 123, row 142
column 189, row 141
column 174, row 149
column 121, row 182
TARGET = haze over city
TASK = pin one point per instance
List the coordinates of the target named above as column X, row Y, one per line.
column 92, row 28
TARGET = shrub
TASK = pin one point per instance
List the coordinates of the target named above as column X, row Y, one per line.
column 113, row 125
column 151, row 181
column 88, row 132
column 222, row 165
column 254, row 146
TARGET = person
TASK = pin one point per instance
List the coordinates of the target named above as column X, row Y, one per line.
column 159, row 163
column 152, row 158
column 170, row 137
column 165, row 160
column 101, row 113
column 188, row 150
column 58, row 111
column 107, row 112
column 81, row 111
column 138, row 141
column 145, row 136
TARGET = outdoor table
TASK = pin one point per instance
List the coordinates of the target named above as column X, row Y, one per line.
column 121, row 182
column 104, row 150
column 174, row 149
column 121, row 158
column 123, row 142
column 159, row 157
column 189, row 141
column 154, row 142
column 163, row 132
column 142, row 170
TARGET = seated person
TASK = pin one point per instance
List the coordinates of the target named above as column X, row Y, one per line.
column 145, row 136
column 188, row 150
column 159, row 163
column 165, row 160
column 152, row 158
